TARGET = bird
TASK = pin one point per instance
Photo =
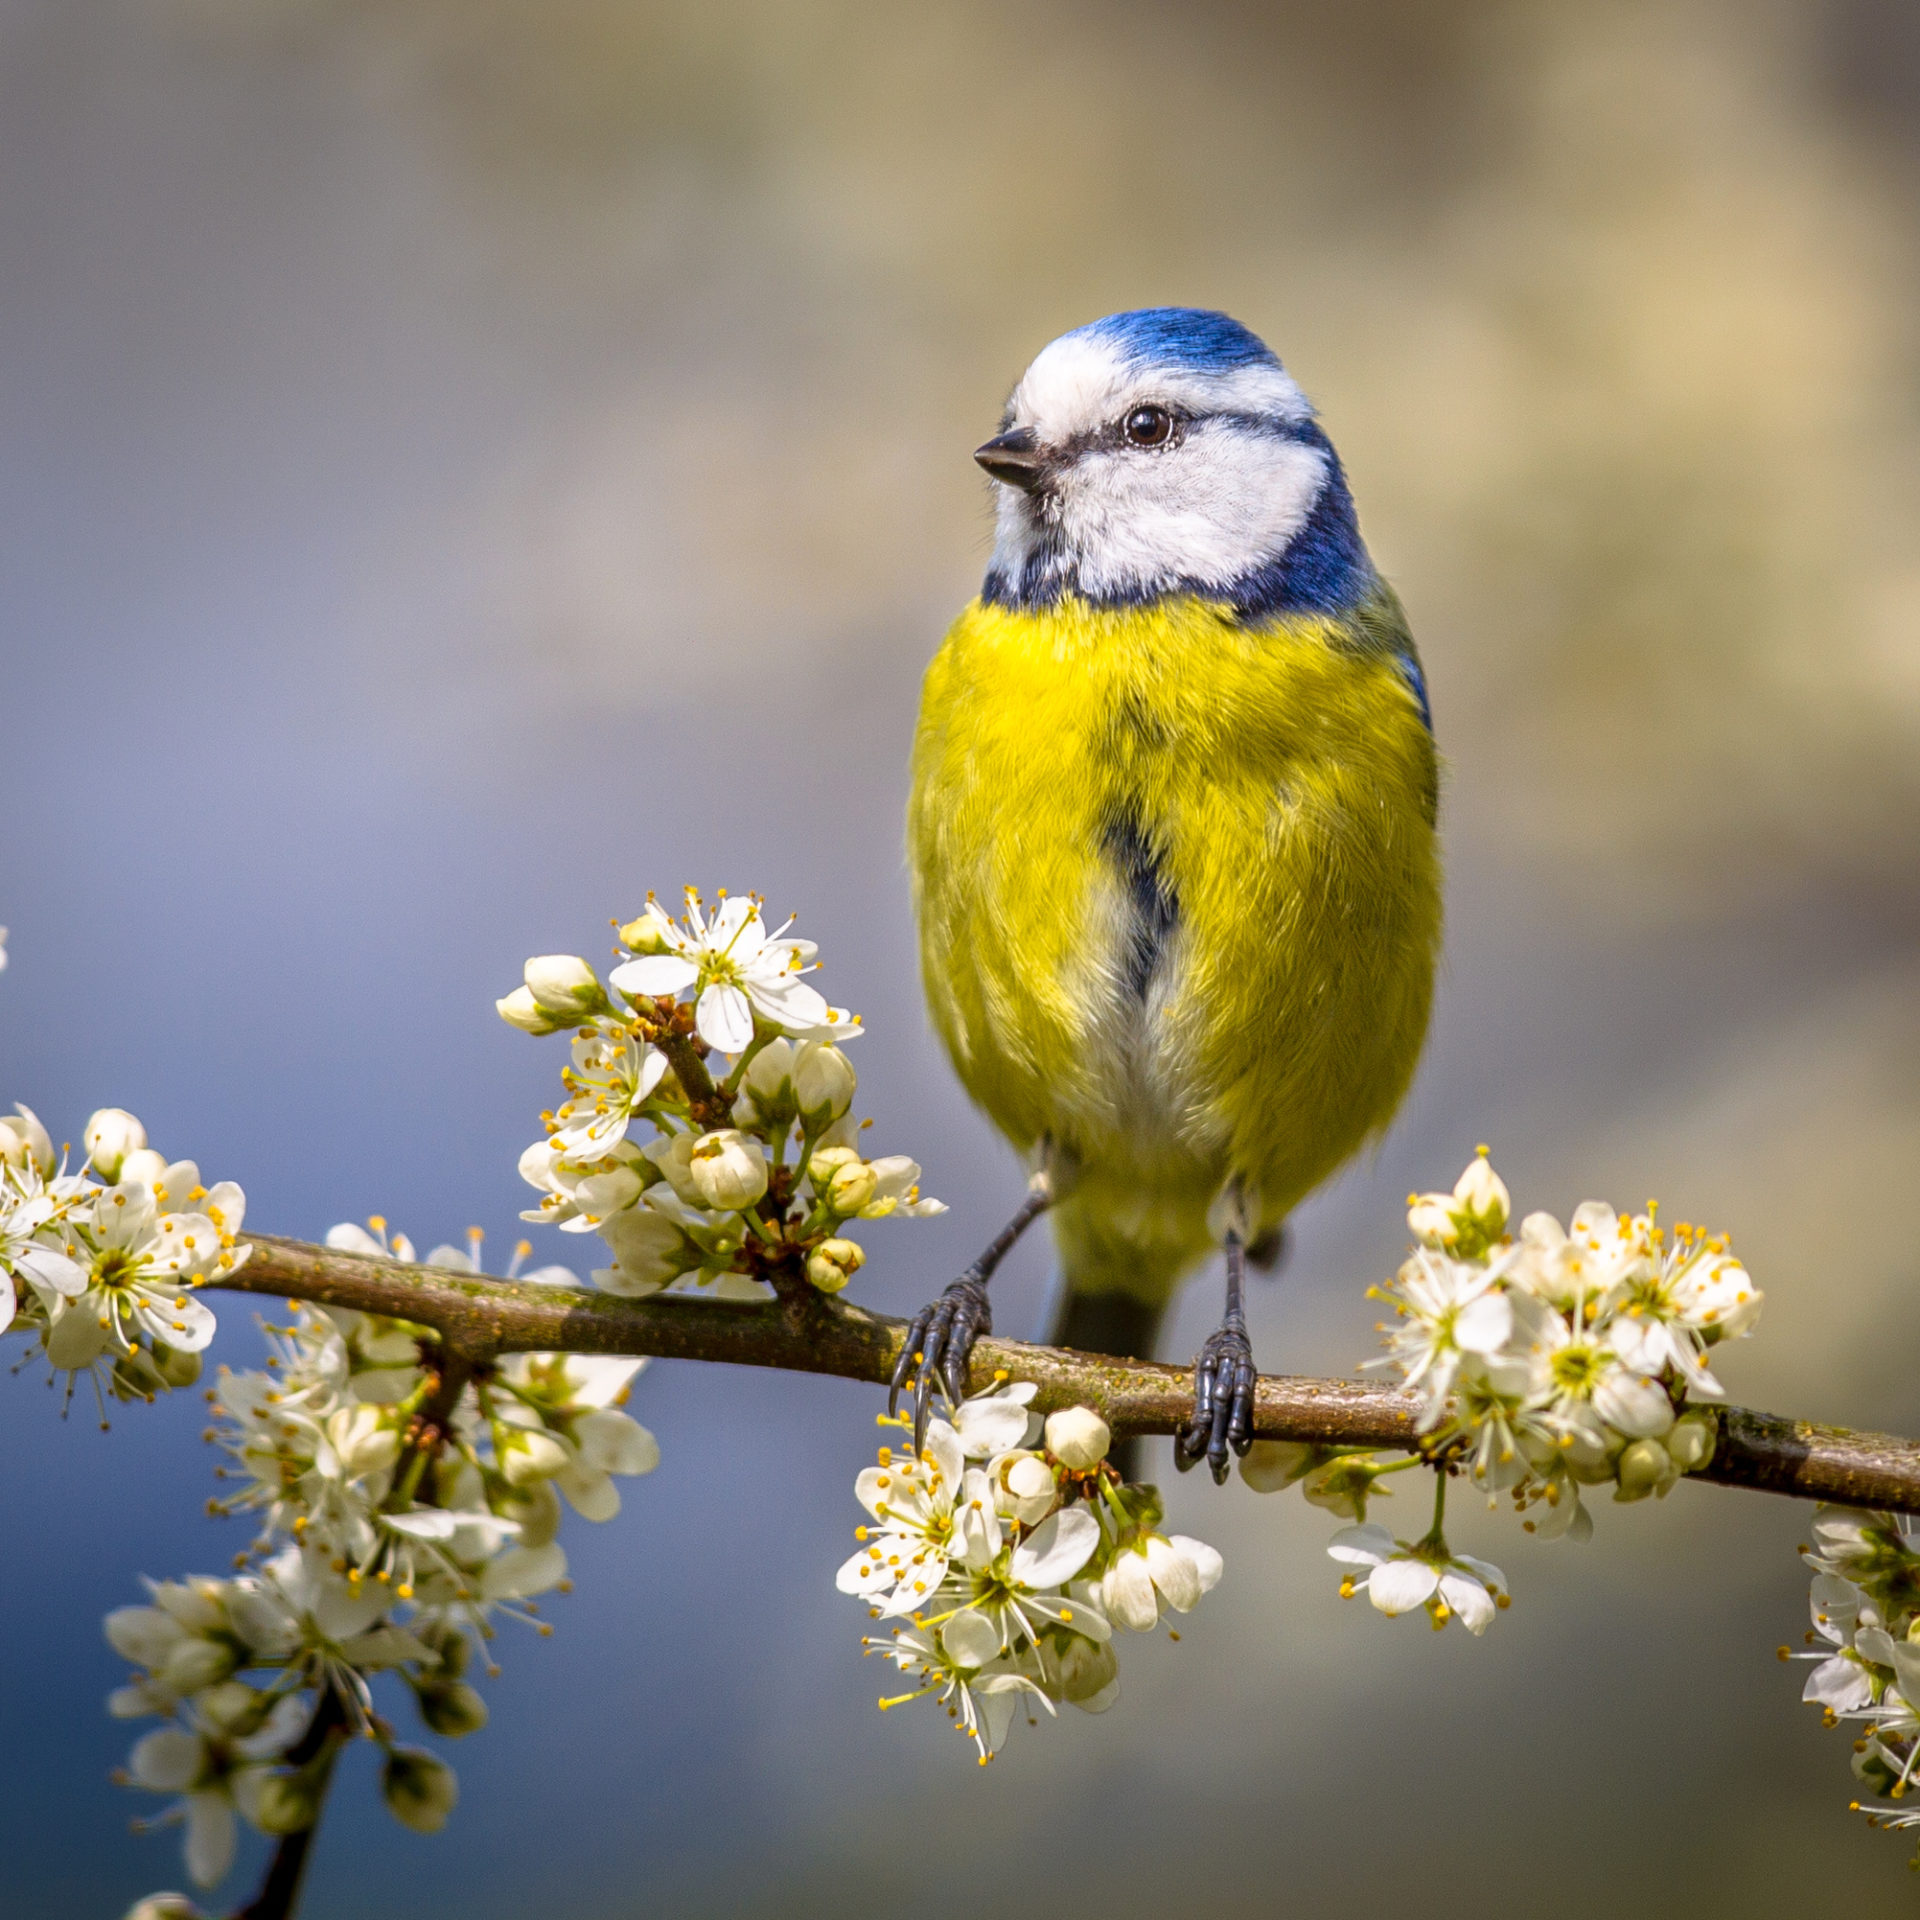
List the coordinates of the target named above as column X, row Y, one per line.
column 1171, row 837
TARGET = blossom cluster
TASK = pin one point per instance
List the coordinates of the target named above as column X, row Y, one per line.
column 396, row 1521
column 1865, row 1644
column 100, row 1264
column 1557, row 1359
column 729, row 1180
column 1010, row 1549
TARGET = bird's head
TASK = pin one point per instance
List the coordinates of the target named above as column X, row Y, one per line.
column 1168, row 451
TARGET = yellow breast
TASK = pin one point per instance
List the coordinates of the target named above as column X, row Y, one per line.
column 1178, row 892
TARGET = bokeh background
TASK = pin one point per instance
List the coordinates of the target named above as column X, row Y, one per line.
column 465, row 462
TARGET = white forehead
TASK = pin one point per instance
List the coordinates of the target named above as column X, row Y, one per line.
column 1083, row 381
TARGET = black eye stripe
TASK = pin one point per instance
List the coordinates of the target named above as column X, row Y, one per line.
column 1112, row 437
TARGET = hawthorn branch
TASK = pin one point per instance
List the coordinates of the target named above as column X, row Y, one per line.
column 478, row 1318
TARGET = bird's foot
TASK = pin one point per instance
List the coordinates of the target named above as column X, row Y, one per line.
column 937, row 1348
column 1223, row 1379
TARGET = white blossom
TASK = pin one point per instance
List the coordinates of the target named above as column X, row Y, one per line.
column 1449, row 1309
column 1843, row 1679
column 958, row 1665
column 1172, row 1570
column 925, row 1507
column 997, row 1420
column 1401, row 1577
column 143, row 1265
column 611, row 1077
column 737, row 970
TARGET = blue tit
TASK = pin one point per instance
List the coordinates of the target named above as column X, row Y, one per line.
column 1171, row 835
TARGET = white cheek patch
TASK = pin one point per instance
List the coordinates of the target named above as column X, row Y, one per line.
column 1223, row 503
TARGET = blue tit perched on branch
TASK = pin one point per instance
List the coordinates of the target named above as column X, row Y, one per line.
column 1171, row 834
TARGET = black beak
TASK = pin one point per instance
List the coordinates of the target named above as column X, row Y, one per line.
column 1014, row 459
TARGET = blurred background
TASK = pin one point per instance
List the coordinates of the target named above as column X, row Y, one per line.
column 463, row 463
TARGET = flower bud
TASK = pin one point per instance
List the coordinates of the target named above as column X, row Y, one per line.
column 672, row 1156
column 563, row 984
column 823, row 1081
column 164, row 1906
column 38, row 1145
column 1691, row 1442
column 852, row 1187
column 727, row 1170
column 647, row 934
column 143, row 1167
column 537, row 1508
column 1086, row 1672
column 135, row 1377
column 177, row 1369
column 363, row 1440
column 825, row 1162
column 1430, row 1219
column 283, row 1801
column 834, row 1262
column 767, row 1093
column 231, row 1706
column 111, row 1135
column 452, row 1709
column 520, row 1009
column 1468, row 1220
column 649, row 1252
column 1078, row 1438
column 1024, row 1488
column 420, row 1789
column 454, row 1649
column 1269, row 1465
column 1343, row 1484
column 1645, row 1467
column 194, row 1663
column 1482, row 1194
column 527, row 1455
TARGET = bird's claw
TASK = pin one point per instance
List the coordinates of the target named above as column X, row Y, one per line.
column 937, row 1348
column 1223, row 1379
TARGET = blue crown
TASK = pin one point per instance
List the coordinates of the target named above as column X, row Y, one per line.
column 1183, row 337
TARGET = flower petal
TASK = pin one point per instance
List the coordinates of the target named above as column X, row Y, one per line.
column 167, row 1760
column 1363, row 1546
column 970, row 1639
column 653, row 975
column 1473, row 1604
column 1127, row 1593
column 1056, row 1549
column 1207, row 1563
column 210, row 1828
column 1399, row 1586
column 724, row 1019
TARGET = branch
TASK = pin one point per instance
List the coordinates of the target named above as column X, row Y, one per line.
column 279, row 1893
column 479, row 1317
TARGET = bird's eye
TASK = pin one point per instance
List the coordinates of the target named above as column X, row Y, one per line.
column 1149, row 426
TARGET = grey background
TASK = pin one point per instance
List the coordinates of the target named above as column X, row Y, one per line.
column 464, row 463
